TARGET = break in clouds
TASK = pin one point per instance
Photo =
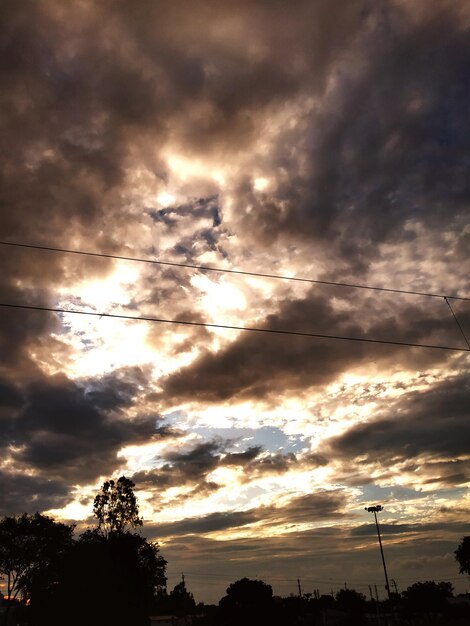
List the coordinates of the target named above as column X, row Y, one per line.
column 325, row 140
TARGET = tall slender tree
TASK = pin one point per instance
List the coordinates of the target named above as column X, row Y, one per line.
column 115, row 507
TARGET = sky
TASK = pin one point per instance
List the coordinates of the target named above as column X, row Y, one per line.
column 324, row 139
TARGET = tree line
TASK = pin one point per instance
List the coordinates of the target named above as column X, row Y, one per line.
column 112, row 575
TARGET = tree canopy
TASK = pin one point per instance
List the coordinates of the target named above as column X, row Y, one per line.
column 28, row 545
column 351, row 600
column 247, row 601
column 109, row 575
column 178, row 602
column 106, row 579
column 462, row 555
column 428, row 596
column 249, row 592
column 30, row 548
column 115, row 507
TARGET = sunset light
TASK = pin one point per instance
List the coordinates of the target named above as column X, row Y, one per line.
column 235, row 295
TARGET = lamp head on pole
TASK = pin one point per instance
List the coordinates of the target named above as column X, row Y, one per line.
column 374, row 509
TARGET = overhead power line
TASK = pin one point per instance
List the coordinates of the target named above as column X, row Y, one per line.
column 230, row 327
column 457, row 322
column 205, row 268
column 223, row 578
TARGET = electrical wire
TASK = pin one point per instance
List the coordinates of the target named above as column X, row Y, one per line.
column 230, row 327
column 446, row 297
column 218, row 578
column 457, row 322
column 205, row 268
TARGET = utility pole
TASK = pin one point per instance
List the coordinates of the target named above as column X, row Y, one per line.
column 185, row 616
column 379, row 617
column 376, row 594
column 376, row 604
column 376, row 509
column 300, row 588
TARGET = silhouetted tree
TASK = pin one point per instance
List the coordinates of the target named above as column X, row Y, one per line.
column 116, row 506
column 208, row 615
column 30, row 546
column 182, row 599
column 110, row 575
column 291, row 610
column 462, row 555
column 351, row 600
column 353, row 603
column 178, row 602
column 104, row 580
column 428, row 597
column 248, row 602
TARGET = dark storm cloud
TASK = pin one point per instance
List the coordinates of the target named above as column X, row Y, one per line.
column 21, row 332
column 370, row 530
column 10, row 396
column 195, row 463
column 433, row 422
column 453, row 472
column 389, row 149
column 73, row 431
column 240, row 65
column 257, row 364
column 303, row 509
column 181, row 468
column 20, row 493
column 209, row 523
column 192, row 467
column 271, row 464
column 242, row 458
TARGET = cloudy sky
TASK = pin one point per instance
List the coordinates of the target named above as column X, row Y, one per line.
column 322, row 139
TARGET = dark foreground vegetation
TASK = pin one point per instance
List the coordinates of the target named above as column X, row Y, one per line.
column 112, row 576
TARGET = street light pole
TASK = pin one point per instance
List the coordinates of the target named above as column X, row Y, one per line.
column 376, row 509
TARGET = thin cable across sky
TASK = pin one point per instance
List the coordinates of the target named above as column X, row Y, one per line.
column 229, row 327
column 205, row 268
